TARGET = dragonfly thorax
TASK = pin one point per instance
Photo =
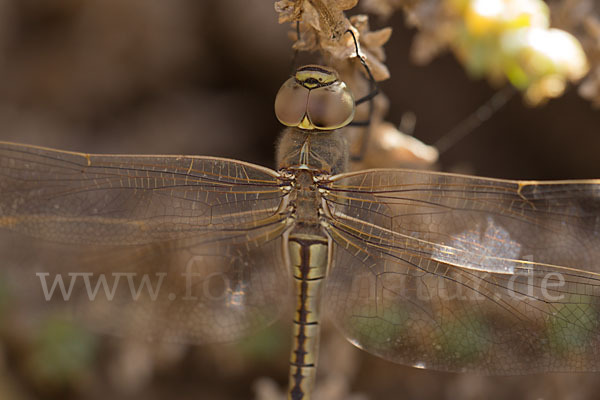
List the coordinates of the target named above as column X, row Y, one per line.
column 325, row 153
column 314, row 99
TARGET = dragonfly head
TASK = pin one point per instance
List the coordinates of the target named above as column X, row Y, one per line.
column 315, row 99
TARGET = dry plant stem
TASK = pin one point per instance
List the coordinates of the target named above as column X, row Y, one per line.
column 326, row 18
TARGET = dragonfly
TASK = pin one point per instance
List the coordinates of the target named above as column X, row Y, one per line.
column 434, row 270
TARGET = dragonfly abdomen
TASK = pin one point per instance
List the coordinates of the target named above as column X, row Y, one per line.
column 309, row 262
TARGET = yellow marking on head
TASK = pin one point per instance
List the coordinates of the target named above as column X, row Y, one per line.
column 312, row 76
column 306, row 124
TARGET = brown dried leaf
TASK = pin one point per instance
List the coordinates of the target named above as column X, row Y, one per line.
column 377, row 38
column 323, row 28
column 289, row 10
column 371, row 45
column 390, row 148
column 344, row 4
column 332, row 21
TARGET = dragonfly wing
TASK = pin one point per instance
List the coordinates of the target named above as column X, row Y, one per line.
column 130, row 200
column 461, row 273
column 161, row 247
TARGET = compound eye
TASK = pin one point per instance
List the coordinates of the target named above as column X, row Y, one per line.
column 291, row 102
column 331, row 107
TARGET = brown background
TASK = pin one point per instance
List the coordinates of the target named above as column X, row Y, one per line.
column 199, row 77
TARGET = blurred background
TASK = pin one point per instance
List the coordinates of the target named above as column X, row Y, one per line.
column 190, row 77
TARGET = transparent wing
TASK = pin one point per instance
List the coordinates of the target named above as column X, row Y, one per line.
column 461, row 273
column 161, row 247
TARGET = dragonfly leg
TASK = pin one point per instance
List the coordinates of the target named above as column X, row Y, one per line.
column 374, row 90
